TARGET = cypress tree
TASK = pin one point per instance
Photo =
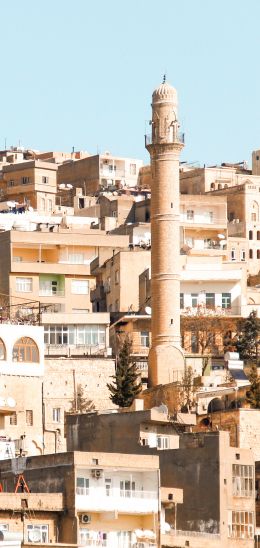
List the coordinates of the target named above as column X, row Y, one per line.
column 125, row 385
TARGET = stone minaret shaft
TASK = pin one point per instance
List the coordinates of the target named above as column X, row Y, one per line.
column 166, row 361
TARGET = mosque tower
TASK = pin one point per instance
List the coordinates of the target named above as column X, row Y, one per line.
column 166, row 359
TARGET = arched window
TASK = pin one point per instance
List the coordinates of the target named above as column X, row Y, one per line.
column 212, row 186
column 25, row 350
column 250, row 235
column 2, row 350
column 226, row 185
column 258, row 235
column 250, row 253
column 258, row 254
column 219, row 186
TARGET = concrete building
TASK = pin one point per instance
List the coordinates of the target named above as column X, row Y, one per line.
column 85, row 499
column 164, row 146
column 33, row 183
column 98, row 172
column 218, row 505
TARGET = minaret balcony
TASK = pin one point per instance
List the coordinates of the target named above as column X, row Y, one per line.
column 178, row 137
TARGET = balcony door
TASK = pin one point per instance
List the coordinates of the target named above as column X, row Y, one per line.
column 127, row 488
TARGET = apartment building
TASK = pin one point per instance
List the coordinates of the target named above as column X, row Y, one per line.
column 33, row 183
column 118, row 281
column 198, row 180
column 100, row 172
column 218, row 505
column 85, row 499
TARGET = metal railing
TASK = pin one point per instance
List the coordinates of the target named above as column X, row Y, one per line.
column 169, row 138
column 210, row 311
column 122, row 493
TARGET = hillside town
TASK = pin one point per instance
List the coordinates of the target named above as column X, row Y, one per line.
column 129, row 346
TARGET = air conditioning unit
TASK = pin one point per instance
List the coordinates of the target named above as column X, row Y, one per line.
column 85, row 518
column 96, row 474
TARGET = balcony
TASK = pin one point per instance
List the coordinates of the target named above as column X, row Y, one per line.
column 75, row 350
column 201, row 220
column 170, row 138
column 116, row 500
column 112, row 174
column 51, row 292
column 50, row 267
column 202, row 310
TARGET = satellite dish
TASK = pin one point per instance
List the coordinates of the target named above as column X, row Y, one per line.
column 62, row 185
column 2, row 402
column 148, row 310
column 10, row 204
column 221, row 236
column 34, row 535
column 30, row 208
column 69, row 186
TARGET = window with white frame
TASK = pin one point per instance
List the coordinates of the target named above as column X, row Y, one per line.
column 45, row 179
column 240, row 524
column 181, row 301
column 242, row 255
column 194, row 299
column 82, row 486
column 25, row 180
column 38, row 533
column 233, row 254
column 89, row 334
column 56, row 414
column 226, row 300
column 49, row 205
column 13, row 419
column 242, row 480
column 76, row 258
column 144, row 338
column 133, row 169
column 163, row 442
column 23, row 285
column 127, row 488
column 210, row 300
column 190, row 214
column 80, row 287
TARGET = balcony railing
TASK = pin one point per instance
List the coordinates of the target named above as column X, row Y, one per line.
column 201, row 310
column 174, row 137
column 75, row 350
column 51, row 292
column 113, row 174
column 124, row 493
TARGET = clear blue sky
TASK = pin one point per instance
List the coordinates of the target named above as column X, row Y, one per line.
column 81, row 73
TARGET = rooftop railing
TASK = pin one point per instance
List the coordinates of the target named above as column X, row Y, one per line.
column 174, row 137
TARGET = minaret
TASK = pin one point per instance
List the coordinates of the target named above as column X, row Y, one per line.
column 166, row 360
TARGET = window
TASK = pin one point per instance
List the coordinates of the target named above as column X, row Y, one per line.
column 80, row 287
column 56, row 415
column 194, row 343
column 117, row 305
column 233, row 254
column 45, row 179
column 49, row 205
column 181, row 301
column 76, row 258
column 25, row 350
column 211, row 216
column 163, row 442
column 133, row 169
column 4, row 527
column 242, row 255
column 253, row 217
column 226, row 300
column 2, row 350
column 38, row 533
column 241, row 524
column 190, row 215
column 42, row 202
column 242, row 480
column 10, row 183
column 145, row 338
column 117, row 276
column 127, row 488
column 108, row 485
column 82, row 486
column 29, row 417
column 194, row 300
column 258, row 235
column 89, row 335
column 24, row 285
column 210, row 300
column 250, row 235
column 258, row 254
column 13, row 419
column 25, row 180
column 251, row 254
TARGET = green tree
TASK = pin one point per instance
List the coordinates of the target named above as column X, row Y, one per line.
column 126, row 385
column 248, row 340
column 253, row 394
column 81, row 404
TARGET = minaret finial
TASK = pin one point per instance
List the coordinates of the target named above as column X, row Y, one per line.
column 164, row 79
